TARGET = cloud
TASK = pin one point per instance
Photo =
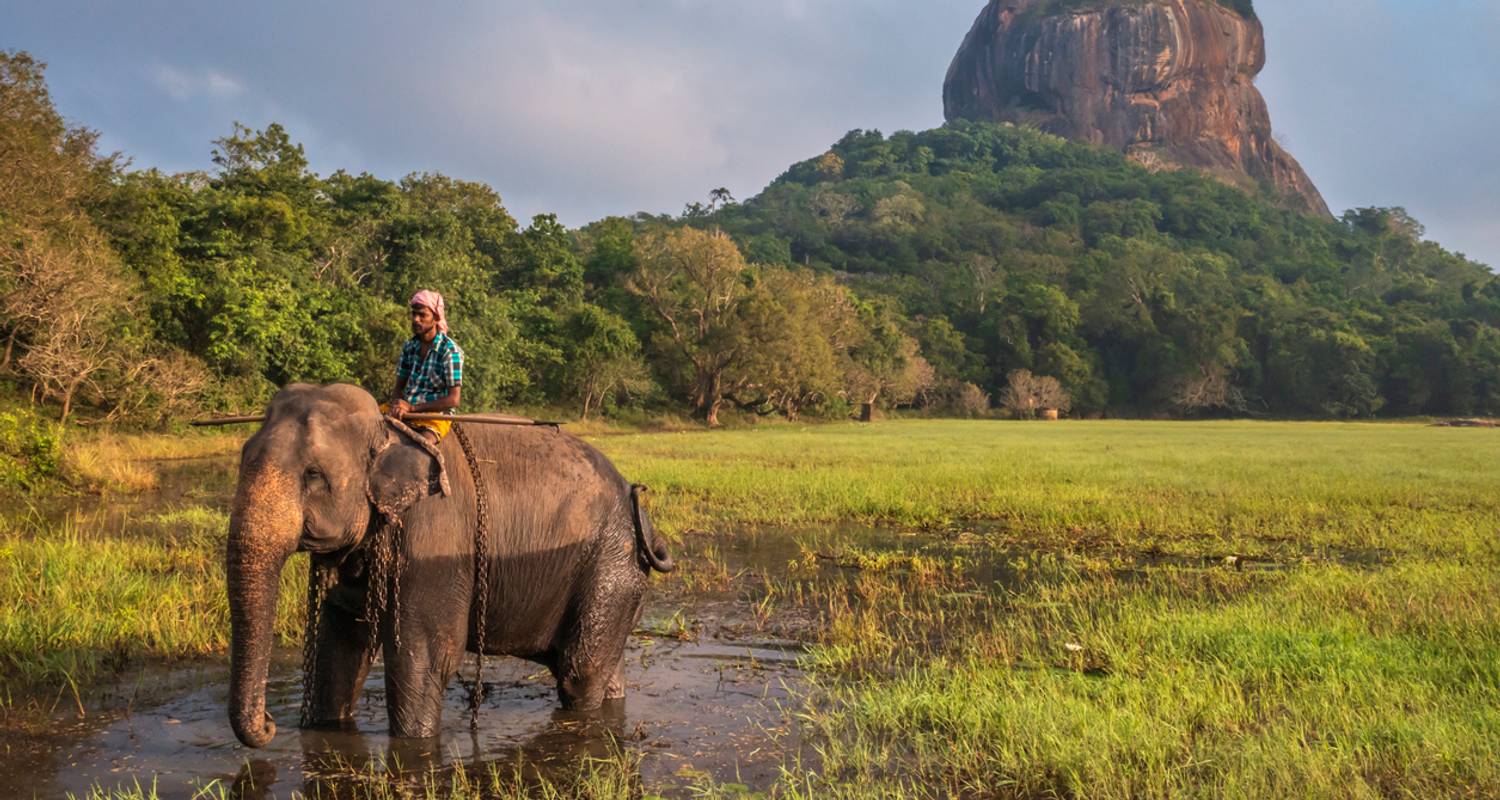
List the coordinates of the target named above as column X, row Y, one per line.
column 182, row 85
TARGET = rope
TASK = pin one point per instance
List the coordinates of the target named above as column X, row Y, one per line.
column 481, row 573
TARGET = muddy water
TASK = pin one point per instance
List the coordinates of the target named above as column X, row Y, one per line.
column 710, row 705
column 710, row 683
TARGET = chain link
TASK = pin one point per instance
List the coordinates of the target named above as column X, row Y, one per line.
column 319, row 579
column 481, row 572
column 384, row 561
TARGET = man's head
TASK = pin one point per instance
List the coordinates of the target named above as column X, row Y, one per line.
column 429, row 317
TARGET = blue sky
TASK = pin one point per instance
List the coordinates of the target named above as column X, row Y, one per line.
column 597, row 107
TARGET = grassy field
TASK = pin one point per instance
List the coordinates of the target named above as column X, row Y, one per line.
column 1222, row 609
column 1277, row 489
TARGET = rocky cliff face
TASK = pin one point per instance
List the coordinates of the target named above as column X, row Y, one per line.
column 1170, row 82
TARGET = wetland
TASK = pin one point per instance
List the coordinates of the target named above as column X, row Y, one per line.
column 915, row 608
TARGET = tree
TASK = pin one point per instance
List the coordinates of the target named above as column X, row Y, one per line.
column 1210, row 389
column 884, row 363
column 263, row 163
column 1323, row 367
column 694, row 282
column 1026, row 394
column 72, row 300
column 50, row 169
column 796, row 328
column 603, row 357
column 65, row 296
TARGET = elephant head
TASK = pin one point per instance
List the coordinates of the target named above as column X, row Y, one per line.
column 310, row 479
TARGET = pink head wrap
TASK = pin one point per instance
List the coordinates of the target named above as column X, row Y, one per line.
column 433, row 301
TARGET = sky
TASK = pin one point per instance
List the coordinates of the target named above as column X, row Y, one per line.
column 597, row 107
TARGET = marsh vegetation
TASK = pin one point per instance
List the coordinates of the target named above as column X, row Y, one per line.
column 1112, row 609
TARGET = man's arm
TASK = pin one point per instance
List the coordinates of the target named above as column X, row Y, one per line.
column 444, row 403
column 398, row 405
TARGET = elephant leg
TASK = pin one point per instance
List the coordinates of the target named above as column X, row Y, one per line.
column 433, row 632
column 615, row 689
column 589, row 669
column 341, row 664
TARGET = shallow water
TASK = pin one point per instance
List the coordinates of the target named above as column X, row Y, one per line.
column 712, row 679
column 710, row 705
column 706, row 690
column 707, row 685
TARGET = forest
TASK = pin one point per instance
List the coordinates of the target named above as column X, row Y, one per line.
column 920, row 270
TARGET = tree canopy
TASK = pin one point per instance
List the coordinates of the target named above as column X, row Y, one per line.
column 1133, row 287
column 919, row 269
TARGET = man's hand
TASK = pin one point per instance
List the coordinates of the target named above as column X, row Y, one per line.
column 400, row 408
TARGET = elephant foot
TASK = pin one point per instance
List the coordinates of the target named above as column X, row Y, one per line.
column 615, row 688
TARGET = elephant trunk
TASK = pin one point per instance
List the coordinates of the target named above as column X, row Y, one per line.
column 264, row 527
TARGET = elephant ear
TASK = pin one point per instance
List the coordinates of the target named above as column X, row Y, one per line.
column 406, row 468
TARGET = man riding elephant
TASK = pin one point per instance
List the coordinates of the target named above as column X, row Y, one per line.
column 430, row 374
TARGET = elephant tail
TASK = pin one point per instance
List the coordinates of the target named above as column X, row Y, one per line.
column 652, row 552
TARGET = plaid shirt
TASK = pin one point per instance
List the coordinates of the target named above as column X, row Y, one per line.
column 430, row 378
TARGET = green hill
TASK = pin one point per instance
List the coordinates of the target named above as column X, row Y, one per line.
column 1141, row 291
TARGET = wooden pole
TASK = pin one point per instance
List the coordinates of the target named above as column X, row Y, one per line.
column 478, row 419
column 199, row 423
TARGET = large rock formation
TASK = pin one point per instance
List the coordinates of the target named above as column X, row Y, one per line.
column 1170, row 82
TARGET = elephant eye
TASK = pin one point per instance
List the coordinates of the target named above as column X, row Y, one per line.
column 313, row 478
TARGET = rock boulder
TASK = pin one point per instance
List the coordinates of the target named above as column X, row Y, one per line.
column 1169, row 82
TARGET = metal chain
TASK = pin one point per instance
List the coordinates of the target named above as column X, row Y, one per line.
column 385, row 562
column 319, row 581
column 481, row 572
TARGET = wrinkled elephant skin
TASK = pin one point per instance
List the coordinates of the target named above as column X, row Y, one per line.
column 568, row 551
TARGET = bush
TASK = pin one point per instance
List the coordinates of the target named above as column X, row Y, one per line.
column 30, row 449
column 964, row 400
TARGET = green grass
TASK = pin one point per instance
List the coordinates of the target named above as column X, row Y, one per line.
column 1355, row 653
column 1220, row 609
column 74, row 605
column 1275, row 489
column 1325, row 682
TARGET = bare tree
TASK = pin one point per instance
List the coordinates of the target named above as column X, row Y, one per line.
column 1209, row 388
column 66, row 296
column 968, row 400
column 169, row 383
column 1026, row 395
column 892, row 371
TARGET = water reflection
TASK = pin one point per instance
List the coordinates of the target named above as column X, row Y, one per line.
column 336, row 764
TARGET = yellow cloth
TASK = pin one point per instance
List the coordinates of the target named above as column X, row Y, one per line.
column 437, row 426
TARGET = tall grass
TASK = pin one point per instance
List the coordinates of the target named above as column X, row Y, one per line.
column 1227, row 609
column 613, row 778
column 73, row 604
column 1325, row 682
column 118, row 462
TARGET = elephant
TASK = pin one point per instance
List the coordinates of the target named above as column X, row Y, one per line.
column 568, row 551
